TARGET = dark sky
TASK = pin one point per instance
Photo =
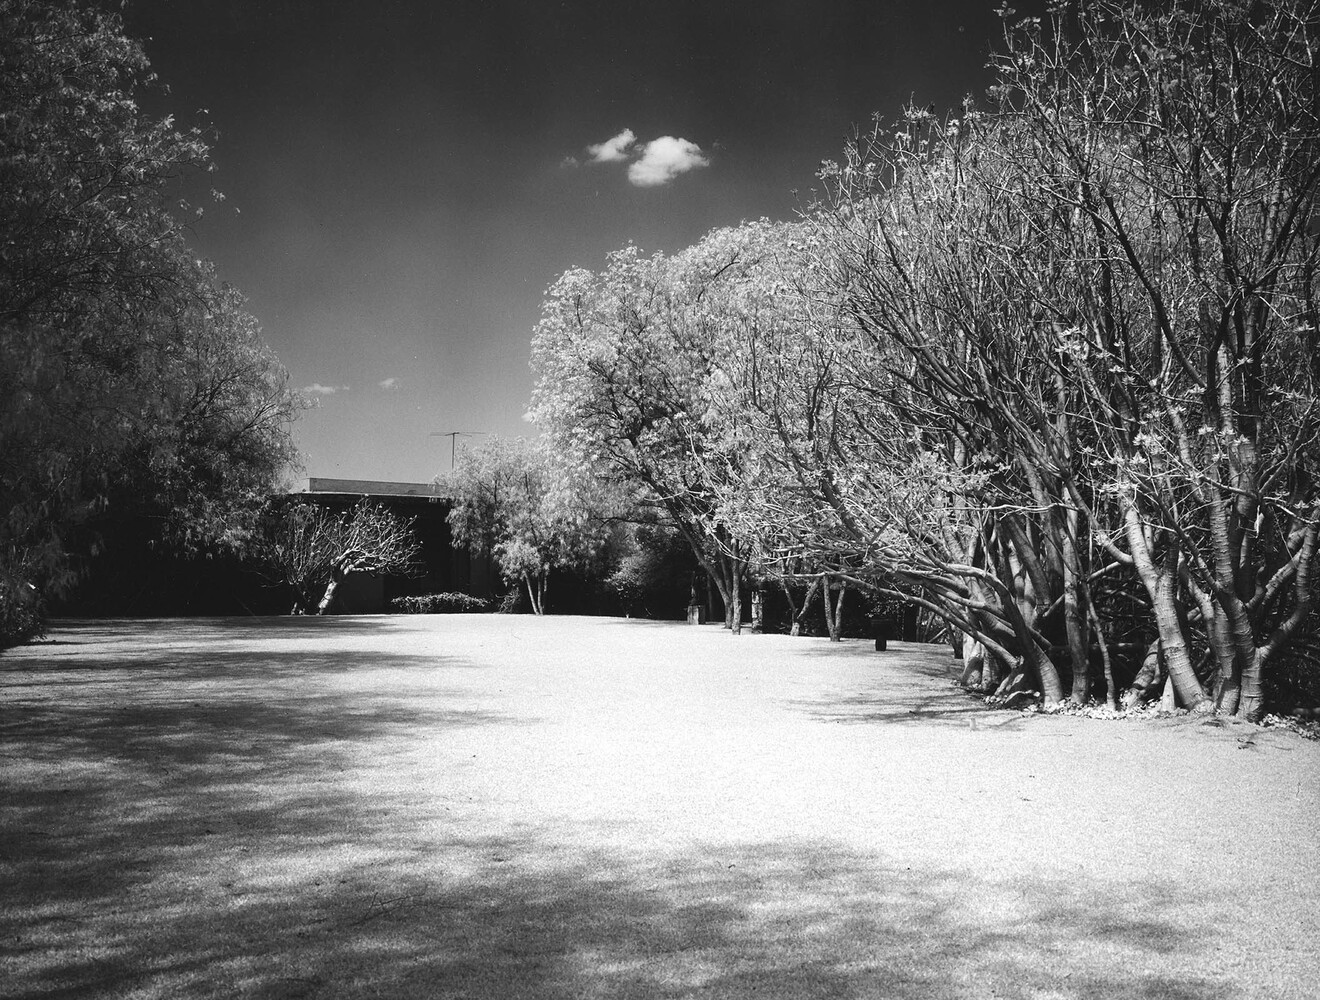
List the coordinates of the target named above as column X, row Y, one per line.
column 404, row 178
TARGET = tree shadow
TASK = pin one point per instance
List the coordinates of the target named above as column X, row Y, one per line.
column 264, row 628
column 536, row 918
column 194, row 824
column 907, row 683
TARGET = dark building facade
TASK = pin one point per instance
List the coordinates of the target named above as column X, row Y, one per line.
column 442, row 567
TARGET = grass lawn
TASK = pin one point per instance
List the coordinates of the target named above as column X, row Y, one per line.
column 493, row 806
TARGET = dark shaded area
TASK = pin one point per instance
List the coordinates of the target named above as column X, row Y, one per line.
column 942, row 702
column 135, row 572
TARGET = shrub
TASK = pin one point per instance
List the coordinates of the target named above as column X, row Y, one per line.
column 439, row 604
column 514, row 602
column 22, row 617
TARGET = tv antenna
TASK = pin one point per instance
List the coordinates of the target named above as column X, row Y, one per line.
column 453, row 441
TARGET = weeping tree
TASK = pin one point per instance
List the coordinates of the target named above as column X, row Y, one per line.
column 314, row 549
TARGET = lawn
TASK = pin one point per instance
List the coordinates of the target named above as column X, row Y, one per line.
column 495, row 806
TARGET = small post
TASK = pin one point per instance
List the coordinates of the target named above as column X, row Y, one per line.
column 696, row 612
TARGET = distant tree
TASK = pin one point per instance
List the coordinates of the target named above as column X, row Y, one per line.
column 132, row 384
column 513, row 498
column 632, row 367
column 314, row 549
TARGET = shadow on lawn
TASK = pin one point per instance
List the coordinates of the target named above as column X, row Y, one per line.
column 206, row 838
column 536, row 920
column 261, row 628
column 908, row 683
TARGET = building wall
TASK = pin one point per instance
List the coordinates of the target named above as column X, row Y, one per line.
column 443, row 568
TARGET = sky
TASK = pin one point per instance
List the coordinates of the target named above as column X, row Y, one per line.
column 403, row 179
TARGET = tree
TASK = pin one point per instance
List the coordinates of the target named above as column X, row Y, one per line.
column 632, row 365
column 314, row 549
column 1102, row 293
column 1185, row 144
column 132, row 384
column 513, row 499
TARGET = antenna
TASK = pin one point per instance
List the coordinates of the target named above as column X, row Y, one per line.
column 453, row 441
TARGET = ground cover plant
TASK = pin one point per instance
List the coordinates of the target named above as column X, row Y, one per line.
column 480, row 806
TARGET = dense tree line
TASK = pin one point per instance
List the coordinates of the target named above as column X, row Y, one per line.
column 1045, row 367
column 133, row 384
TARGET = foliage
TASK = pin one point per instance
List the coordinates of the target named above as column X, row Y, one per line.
column 313, row 548
column 1046, row 368
column 512, row 602
column 131, row 383
column 632, row 367
column 512, row 497
column 1101, row 293
column 651, row 571
column 22, row 617
column 440, row 604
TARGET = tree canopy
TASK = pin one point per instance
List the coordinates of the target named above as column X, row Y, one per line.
column 1045, row 366
column 517, row 500
column 132, row 382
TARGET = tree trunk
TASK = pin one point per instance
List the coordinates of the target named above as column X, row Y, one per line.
column 911, row 631
column 836, row 627
column 832, row 608
column 327, row 598
column 1251, row 704
column 973, row 672
column 1160, row 584
column 801, row 614
column 1143, row 684
column 527, row 589
column 1074, row 615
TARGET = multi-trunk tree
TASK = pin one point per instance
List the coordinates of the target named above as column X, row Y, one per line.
column 1101, row 291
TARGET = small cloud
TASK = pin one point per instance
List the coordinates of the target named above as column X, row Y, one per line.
column 568, row 162
column 664, row 159
column 317, row 389
column 612, row 150
column 389, row 383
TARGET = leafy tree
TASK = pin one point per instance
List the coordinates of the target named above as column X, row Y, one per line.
column 515, row 500
column 131, row 383
column 314, row 549
column 633, row 365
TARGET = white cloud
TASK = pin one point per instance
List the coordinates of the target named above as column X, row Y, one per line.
column 389, row 383
column 317, row 389
column 612, row 150
column 664, row 159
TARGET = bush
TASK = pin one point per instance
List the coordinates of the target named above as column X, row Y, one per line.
column 22, row 617
column 439, row 604
column 514, row 602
